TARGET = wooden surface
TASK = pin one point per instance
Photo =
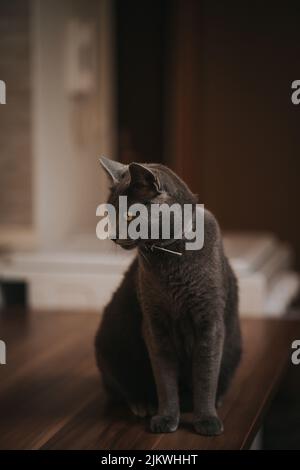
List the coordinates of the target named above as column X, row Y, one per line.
column 51, row 395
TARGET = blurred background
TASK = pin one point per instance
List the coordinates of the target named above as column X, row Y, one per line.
column 201, row 86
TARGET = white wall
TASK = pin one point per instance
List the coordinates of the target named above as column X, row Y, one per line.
column 69, row 132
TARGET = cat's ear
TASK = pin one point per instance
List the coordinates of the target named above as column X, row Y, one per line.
column 143, row 176
column 115, row 170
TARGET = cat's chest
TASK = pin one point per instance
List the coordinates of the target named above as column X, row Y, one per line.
column 167, row 290
column 167, row 299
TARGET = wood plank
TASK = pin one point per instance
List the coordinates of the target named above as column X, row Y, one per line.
column 51, row 395
column 50, row 374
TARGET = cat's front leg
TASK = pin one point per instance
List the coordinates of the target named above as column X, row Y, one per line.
column 206, row 367
column 165, row 369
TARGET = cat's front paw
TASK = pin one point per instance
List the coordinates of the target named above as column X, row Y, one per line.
column 160, row 423
column 209, row 425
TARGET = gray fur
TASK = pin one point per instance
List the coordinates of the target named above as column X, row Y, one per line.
column 170, row 337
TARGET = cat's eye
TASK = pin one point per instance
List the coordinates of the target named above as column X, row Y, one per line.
column 129, row 216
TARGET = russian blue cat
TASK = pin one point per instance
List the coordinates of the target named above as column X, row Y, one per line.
column 169, row 339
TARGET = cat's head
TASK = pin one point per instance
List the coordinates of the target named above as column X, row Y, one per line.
column 147, row 184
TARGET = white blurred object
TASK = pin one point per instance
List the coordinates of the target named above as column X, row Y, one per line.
column 82, row 276
column 283, row 290
column 247, row 251
column 263, row 266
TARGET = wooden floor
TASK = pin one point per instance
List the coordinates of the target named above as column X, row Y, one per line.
column 51, row 395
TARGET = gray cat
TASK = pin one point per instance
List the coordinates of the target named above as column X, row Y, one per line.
column 169, row 339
